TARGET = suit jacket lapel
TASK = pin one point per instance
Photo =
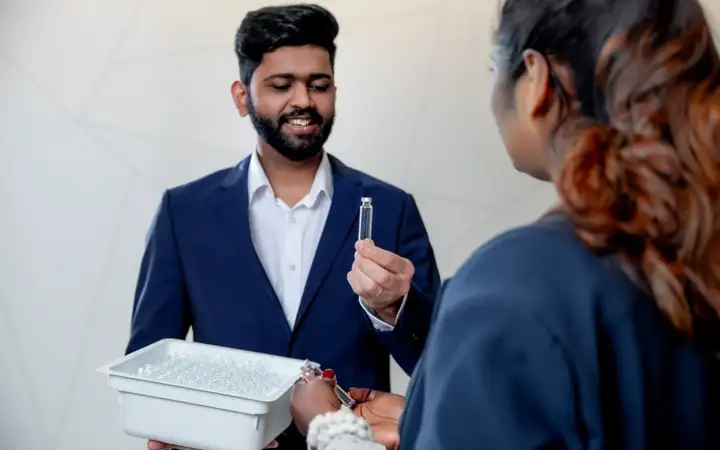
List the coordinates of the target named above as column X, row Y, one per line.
column 234, row 222
column 347, row 191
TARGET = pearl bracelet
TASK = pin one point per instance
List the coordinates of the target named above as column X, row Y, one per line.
column 326, row 427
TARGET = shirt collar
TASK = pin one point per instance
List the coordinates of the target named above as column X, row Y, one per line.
column 322, row 184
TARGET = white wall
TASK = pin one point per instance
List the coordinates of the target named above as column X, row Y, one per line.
column 104, row 103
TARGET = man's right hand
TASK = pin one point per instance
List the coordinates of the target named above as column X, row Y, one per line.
column 381, row 278
column 382, row 411
column 155, row 445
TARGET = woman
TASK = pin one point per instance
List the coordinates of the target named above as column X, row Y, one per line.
column 597, row 326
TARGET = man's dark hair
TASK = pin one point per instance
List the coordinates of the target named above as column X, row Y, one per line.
column 269, row 28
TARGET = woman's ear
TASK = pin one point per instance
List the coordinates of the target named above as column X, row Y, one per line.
column 538, row 89
column 240, row 96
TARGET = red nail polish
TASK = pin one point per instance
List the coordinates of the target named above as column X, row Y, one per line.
column 328, row 374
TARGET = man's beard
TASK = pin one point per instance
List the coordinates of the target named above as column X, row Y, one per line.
column 294, row 148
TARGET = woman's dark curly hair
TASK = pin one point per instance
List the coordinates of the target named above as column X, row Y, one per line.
column 639, row 136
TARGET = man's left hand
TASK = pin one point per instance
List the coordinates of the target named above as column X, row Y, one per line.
column 381, row 279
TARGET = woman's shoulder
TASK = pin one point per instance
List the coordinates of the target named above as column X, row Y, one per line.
column 548, row 247
column 540, row 267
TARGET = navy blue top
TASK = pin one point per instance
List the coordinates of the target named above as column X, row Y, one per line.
column 537, row 343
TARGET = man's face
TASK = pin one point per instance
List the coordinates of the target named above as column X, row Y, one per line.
column 291, row 100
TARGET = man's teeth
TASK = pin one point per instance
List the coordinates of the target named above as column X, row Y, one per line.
column 300, row 122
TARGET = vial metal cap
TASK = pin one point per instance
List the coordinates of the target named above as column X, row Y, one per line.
column 366, row 200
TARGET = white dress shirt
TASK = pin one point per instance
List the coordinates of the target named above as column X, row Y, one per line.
column 286, row 238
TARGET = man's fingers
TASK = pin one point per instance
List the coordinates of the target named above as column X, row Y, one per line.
column 389, row 281
column 388, row 260
column 155, row 445
column 368, row 287
column 273, row 444
column 361, row 284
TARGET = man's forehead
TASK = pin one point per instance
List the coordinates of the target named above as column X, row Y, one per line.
column 301, row 61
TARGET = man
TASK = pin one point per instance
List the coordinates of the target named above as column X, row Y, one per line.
column 257, row 256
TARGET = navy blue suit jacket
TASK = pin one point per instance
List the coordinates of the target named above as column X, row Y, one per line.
column 200, row 270
column 537, row 343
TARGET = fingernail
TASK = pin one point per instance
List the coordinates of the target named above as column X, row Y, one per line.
column 358, row 245
column 328, row 374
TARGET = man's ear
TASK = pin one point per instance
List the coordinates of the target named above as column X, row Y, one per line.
column 539, row 91
column 240, row 97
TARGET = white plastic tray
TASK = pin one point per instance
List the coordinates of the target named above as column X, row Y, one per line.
column 202, row 396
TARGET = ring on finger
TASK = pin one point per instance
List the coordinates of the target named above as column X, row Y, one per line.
column 380, row 292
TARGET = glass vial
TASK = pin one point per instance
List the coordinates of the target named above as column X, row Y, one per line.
column 366, row 218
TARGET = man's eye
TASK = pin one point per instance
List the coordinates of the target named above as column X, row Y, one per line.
column 281, row 87
column 320, row 87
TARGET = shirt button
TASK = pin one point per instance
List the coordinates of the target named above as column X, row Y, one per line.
column 292, row 267
column 292, row 219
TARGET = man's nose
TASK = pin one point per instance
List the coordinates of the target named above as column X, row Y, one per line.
column 301, row 97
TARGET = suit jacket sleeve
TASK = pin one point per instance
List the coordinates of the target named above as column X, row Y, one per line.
column 496, row 378
column 407, row 340
column 160, row 309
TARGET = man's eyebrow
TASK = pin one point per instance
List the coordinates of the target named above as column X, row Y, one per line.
column 319, row 76
column 290, row 76
column 284, row 76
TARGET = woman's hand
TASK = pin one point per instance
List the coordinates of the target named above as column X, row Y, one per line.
column 311, row 399
column 382, row 411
